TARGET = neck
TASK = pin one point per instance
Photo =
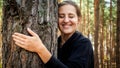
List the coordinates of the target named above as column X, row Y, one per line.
column 65, row 37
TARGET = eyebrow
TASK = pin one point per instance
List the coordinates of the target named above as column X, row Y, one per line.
column 71, row 14
column 64, row 14
column 61, row 13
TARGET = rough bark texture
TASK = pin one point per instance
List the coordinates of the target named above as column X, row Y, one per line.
column 118, row 36
column 102, row 21
column 41, row 17
column 96, row 36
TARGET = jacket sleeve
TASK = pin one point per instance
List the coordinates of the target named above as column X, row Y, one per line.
column 81, row 57
column 55, row 63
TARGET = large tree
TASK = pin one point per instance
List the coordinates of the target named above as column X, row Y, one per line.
column 41, row 17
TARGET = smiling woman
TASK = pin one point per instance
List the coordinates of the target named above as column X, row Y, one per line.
column 74, row 50
column 66, row 15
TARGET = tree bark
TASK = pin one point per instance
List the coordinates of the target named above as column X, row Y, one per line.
column 111, row 34
column 41, row 17
column 60, row 0
column 88, row 19
column 118, row 36
column 102, row 36
column 96, row 35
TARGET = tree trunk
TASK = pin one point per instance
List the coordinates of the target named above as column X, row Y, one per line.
column 60, row 0
column 118, row 36
column 110, row 42
column 88, row 20
column 80, row 5
column 40, row 16
column 107, row 47
column 96, row 36
column 84, row 20
column 81, row 24
column 102, row 36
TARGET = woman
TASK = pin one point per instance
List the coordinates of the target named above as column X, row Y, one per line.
column 74, row 50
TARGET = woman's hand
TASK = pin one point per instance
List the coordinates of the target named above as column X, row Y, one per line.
column 31, row 43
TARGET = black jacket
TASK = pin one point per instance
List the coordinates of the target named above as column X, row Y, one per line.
column 77, row 52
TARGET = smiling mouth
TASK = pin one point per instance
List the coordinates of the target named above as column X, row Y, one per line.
column 66, row 26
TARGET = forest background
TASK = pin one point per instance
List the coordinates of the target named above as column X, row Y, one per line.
column 99, row 25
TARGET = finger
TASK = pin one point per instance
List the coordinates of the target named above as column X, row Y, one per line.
column 31, row 32
column 18, row 41
column 21, row 35
column 20, row 45
column 18, row 38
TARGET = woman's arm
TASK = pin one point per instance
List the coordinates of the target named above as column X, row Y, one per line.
column 32, row 43
column 80, row 57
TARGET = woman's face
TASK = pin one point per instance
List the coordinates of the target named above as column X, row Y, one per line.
column 68, row 19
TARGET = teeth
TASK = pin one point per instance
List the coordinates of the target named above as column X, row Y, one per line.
column 65, row 25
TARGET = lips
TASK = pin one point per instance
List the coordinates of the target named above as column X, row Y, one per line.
column 66, row 26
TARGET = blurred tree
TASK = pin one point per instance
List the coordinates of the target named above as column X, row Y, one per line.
column 102, row 21
column 96, row 35
column 60, row 0
column 118, row 36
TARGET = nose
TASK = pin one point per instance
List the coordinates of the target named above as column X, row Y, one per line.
column 66, row 19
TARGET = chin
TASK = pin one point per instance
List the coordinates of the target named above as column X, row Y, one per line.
column 67, row 32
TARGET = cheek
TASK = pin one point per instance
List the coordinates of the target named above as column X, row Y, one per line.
column 75, row 22
column 59, row 21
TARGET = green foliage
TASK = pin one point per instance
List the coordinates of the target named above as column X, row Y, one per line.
column 0, row 65
column 1, row 4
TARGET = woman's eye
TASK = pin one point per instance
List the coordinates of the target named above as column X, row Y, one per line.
column 71, row 16
column 61, row 16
